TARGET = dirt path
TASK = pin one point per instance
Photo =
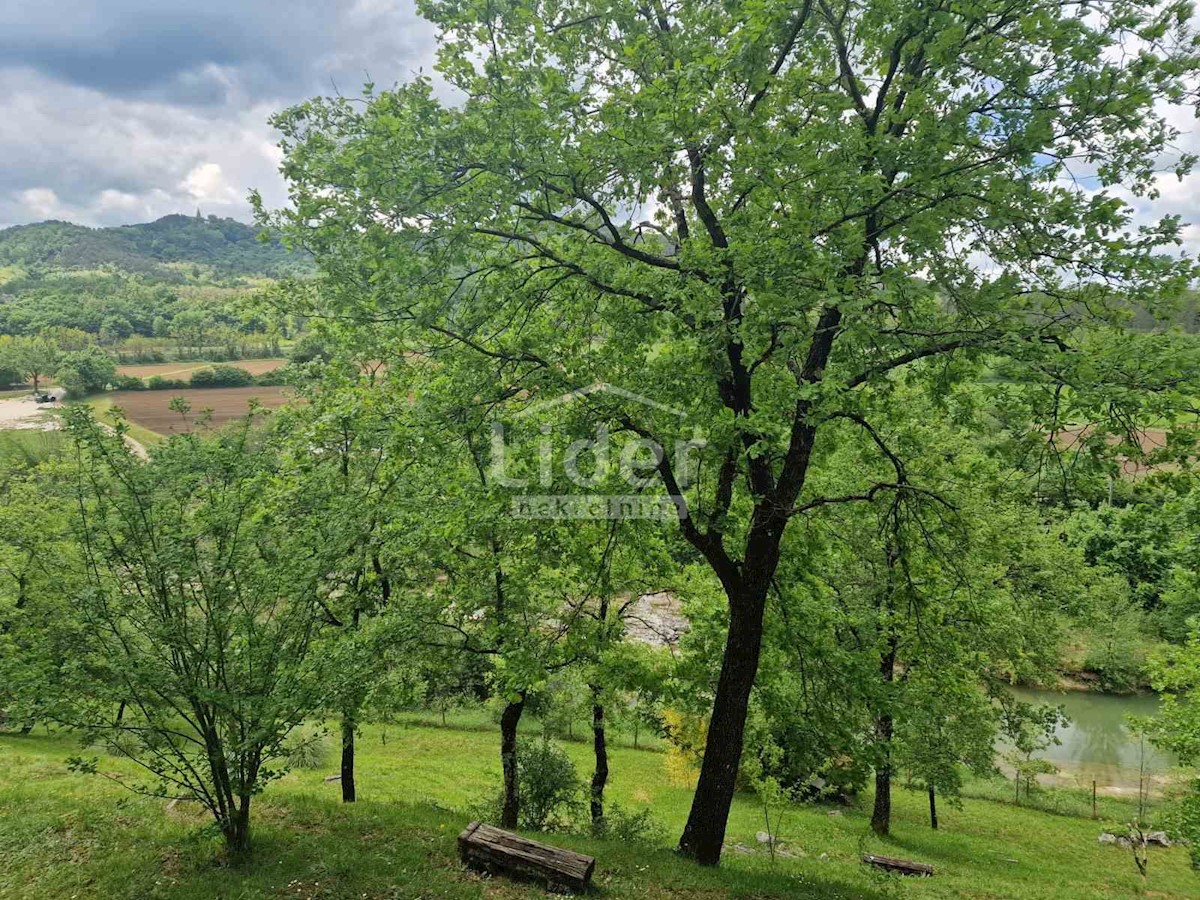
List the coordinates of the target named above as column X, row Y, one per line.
column 19, row 413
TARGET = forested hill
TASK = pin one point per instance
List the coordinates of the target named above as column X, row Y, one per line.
column 225, row 246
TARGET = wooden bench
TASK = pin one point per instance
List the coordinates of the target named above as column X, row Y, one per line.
column 496, row 851
column 903, row 866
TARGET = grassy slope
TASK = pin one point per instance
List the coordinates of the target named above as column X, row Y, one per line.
column 73, row 836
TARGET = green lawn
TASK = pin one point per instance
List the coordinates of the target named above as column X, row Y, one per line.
column 63, row 835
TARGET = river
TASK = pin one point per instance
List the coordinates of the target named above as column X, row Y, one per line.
column 1097, row 743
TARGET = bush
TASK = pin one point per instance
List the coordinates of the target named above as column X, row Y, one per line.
column 630, row 827
column 158, row 383
column 549, row 784
column 306, row 750
column 128, row 383
column 551, row 792
column 272, row 379
column 310, row 348
column 222, row 376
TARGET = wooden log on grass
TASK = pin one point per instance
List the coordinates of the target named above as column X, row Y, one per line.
column 501, row 852
column 902, row 866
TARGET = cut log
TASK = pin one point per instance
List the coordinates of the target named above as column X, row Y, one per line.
column 903, row 866
column 502, row 852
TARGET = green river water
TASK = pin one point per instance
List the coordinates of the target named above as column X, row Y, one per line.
column 1097, row 744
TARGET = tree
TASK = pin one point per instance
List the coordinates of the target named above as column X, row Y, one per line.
column 33, row 359
column 345, row 464
column 193, row 625
column 1176, row 673
column 86, row 371
column 763, row 216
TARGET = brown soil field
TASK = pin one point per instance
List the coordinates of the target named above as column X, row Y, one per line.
column 185, row 369
column 150, row 408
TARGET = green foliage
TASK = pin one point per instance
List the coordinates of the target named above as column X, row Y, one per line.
column 306, row 749
column 162, row 383
column 798, row 230
column 549, row 785
column 221, row 376
column 1176, row 673
column 630, row 828
column 85, row 371
column 192, row 620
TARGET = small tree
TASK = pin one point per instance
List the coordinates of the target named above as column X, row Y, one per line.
column 1029, row 728
column 195, row 618
column 33, row 359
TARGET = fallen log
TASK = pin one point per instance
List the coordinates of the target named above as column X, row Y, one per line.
column 902, row 866
column 502, row 852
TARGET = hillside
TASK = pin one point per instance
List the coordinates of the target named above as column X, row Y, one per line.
column 227, row 247
column 87, row 837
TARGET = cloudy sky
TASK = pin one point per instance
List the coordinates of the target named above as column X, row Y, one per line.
column 118, row 111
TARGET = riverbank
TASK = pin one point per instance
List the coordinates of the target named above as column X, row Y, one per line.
column 84, row 836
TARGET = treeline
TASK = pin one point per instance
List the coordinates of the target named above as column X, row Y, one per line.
column 163, row 248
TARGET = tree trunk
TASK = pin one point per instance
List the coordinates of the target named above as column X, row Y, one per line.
column 600, row 749
column 704, row 832
column 932, row 808
column 348, row 791
column 881, row 816
column 509, row 719
column 237, row 828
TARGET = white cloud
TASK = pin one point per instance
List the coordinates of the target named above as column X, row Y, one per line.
column 206, row 184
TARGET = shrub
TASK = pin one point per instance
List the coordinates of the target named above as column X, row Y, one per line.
column 306, row 750
column 158, row 383
column 550, row 788
column 222, row 376
column 549, row 785
column 128, row 383
column 272, row 379
column 631, row 827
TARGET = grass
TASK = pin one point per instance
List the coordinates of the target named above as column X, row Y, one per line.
column 63, row 835
column 24, row 448
column 101, row 405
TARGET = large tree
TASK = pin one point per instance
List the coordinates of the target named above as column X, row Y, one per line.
column 761, row 215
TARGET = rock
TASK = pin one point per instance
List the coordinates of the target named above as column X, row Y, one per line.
column 1107, row 838
column 763, row 838
column 824, row 857
column 834, row 812
column 1158, row 837
column 329, row 778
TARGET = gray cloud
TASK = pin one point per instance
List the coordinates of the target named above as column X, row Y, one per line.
column 117, row 111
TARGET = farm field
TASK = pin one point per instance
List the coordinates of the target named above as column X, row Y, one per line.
column 181, row 369
column 86, row 837
column 151, row 409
